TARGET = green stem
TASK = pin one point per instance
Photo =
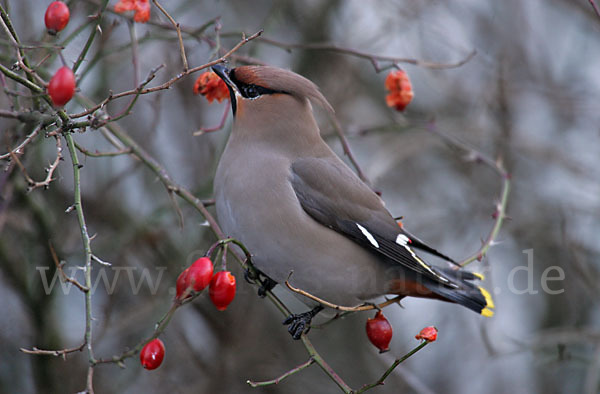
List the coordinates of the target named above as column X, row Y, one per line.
column 324, row 366
column 90, row 39
column 86, row 245
column 25, row 82
column 387, row 373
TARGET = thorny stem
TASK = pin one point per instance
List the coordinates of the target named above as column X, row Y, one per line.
column 88, row 255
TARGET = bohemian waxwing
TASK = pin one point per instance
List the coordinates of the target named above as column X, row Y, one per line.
column 299, row 209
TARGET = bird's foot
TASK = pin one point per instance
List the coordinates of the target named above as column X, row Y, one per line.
column 300, row 323
column 252, row 275
column 266, row 284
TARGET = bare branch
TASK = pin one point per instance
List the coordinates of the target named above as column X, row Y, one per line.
column 358, row 308
column 374, row 59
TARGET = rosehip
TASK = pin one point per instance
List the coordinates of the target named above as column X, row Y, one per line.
column 56, row 17
column 428, row 333
column 152, row 354
column 222, row 289
column 62, row 86
column 182, row 283
column 196, row 277
column 379, row 332
column 401, row 93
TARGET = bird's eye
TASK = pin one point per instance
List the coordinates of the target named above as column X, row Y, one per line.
column 251, row 91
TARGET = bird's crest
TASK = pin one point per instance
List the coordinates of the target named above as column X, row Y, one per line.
column 284, row 81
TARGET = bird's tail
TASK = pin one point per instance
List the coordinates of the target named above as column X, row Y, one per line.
column 468, row 294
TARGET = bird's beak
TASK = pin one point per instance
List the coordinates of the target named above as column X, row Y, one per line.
column 223, row 73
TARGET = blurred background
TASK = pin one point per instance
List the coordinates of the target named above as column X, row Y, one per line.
column 529, row 95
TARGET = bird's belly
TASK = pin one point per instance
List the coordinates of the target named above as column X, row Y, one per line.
column 286, row 242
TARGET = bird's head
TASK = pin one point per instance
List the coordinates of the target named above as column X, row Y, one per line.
column 256, row 89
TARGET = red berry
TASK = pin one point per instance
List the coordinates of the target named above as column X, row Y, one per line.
column 196, row 277
column 152, row 354
column 428, row 333
column 200, row 273
column 182, row 284
column 62, row 86
column 57, row 17
column 222, row 289
column 401, row 93
column 379, row 332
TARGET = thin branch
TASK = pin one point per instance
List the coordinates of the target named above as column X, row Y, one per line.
column 218, row 127
column 171, row 81
column 62, row 272
column 62, row 353
column 178, row 29
column 324, row 366
column 347, row 150
column 90, row 40
column 102, row 154
column 387, row 373
column 134, row 54
column 374, row 59
column 33, row 184
column 500, row 212
column 277, row 380
column 358, row 308
column 18, row 150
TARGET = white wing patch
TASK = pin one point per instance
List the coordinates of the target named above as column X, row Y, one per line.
column 368, row 235
column 403, row 241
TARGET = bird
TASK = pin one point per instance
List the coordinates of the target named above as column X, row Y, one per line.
column 305, row 215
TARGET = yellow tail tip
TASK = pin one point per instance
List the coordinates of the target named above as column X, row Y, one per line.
column 487, row 312
column 479, row 276
column 489, row 302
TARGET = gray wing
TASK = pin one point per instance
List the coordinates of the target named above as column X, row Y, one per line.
column 336, row 198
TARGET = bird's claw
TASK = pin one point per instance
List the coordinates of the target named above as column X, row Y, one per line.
column 267, row 284
column 252, row 275
column 300, row 323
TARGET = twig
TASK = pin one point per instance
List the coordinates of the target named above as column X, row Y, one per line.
column 134, row 54
column 500, row 212
column 20, row 54
column 18, row 150
column 374, row 59
column 171, row 81
column 218, row 127
column 178, row 29
column 50, row 170
column 62, row 272
column 292, row 371
column 102, row 154
column 91, row 37
column 347, row 150
column 340, row 307
column 13, row 35
column 387, row 373
column 63, row 352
